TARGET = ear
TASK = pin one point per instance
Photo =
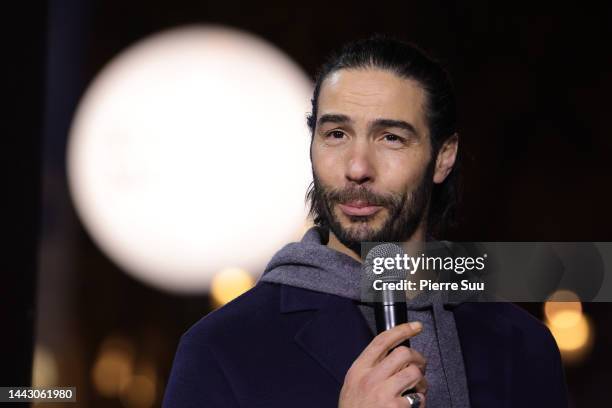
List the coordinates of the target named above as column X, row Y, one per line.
column 446, row 158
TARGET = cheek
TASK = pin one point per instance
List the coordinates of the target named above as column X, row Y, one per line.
column 402, row 172
column 327, row 165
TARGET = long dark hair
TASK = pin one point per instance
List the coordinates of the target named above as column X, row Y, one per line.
column 406, row 61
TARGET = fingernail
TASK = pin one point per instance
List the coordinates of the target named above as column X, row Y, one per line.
column 418, row 326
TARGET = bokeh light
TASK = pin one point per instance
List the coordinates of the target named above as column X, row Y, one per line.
column 189, row 152
column 570, row 335
column 44, row 367
column 113, row 368
column 139, row 393
column 230, row 283
column 571, row 329
column 563, row 309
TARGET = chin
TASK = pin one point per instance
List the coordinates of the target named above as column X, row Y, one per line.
column 360, row 230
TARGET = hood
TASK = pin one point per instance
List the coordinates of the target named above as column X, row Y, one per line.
column 311, row 264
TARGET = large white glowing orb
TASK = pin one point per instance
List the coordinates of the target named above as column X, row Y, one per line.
column 189, row 154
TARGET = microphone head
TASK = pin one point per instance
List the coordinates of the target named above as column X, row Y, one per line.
column 377, row 267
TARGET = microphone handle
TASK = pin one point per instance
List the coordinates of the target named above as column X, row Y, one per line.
column 389, row 315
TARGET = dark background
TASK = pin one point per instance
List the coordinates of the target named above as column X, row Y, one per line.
column 533, row 83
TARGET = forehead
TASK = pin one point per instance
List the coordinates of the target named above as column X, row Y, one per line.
column 365, row 94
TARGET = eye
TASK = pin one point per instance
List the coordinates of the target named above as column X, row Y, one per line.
column 335, row 134
column 390, row 137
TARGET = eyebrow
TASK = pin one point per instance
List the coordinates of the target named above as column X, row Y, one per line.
column 377, row 123
column 401, row 124
column 333, row 118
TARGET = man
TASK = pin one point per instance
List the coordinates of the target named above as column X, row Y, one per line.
column 383, row 152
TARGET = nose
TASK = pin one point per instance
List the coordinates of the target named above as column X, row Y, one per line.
column 360, row 169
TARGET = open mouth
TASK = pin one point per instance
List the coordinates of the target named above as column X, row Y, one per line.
column 359, row 208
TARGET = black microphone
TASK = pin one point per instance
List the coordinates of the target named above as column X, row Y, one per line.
column 389, row 305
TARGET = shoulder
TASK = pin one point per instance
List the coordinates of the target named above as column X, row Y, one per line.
column 500, row 312
column 502, row 337
column 251, row 310
column 200, row 374
column 510, row 318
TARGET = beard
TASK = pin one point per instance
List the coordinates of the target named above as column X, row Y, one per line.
column 405, row 211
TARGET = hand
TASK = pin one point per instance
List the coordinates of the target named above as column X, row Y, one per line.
column 377, row 378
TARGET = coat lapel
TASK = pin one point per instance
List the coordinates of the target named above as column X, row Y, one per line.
column 335, row 335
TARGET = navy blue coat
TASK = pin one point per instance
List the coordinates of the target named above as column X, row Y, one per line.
column 282, row 346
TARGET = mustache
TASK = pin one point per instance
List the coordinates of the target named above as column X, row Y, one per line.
column 349, row 194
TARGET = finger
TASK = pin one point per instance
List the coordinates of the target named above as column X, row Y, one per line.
column 399, row 358
column 422, row 386
column 385, row 341
column 405, row 379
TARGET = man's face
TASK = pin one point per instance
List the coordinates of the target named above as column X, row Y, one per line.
column 371, row 156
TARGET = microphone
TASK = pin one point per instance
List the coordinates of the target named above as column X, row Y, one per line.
column 389, row 305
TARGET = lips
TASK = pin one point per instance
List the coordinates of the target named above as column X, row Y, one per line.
column 359, row 207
